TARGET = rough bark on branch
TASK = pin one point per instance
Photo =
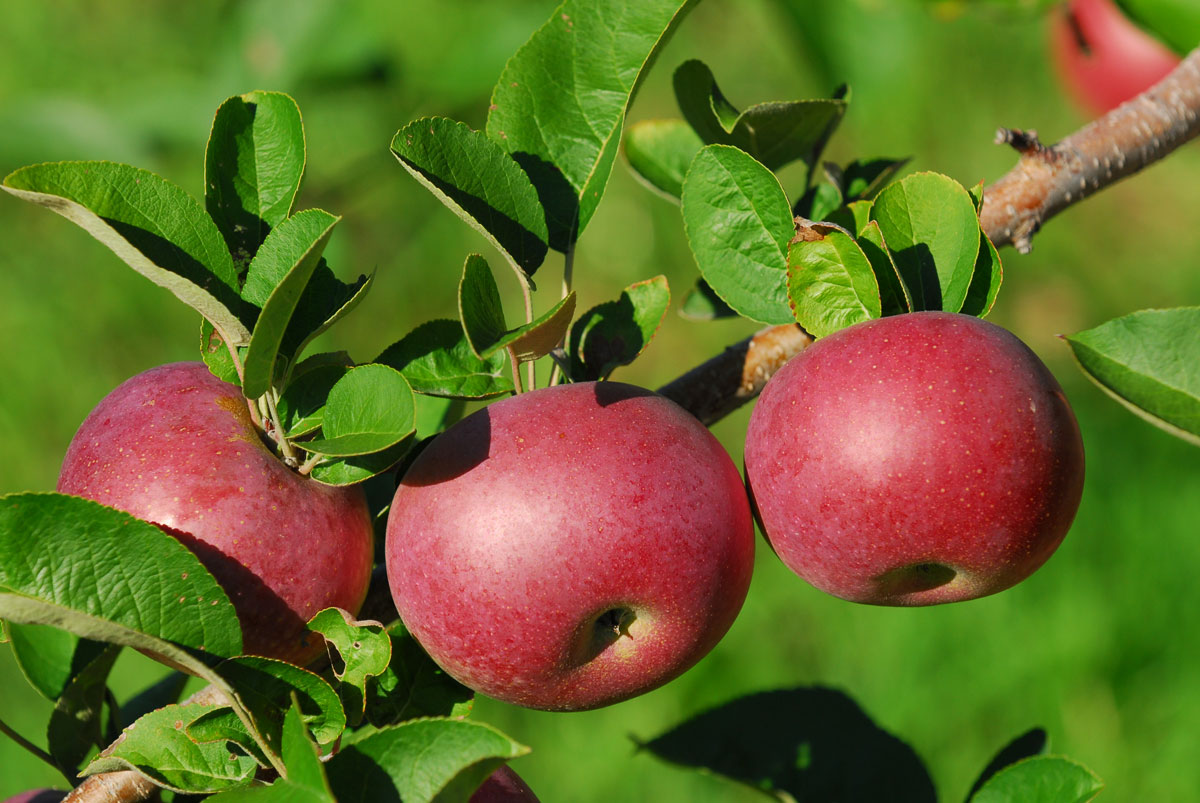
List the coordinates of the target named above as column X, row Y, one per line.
column 1045, row 181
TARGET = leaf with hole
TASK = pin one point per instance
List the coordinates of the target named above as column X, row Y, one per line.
column 368, row 410
column 1150, row 362
column 738, row 223
column 437, row 359
column 614, row 333
column 155, row 227
column 563, row 125
column 421, row 760
column 252, row 168
column 932, row 231
column 277, row 278
column 659, row 153
column 478, row 180
column 363, row 651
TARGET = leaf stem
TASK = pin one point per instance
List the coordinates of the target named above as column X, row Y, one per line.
column 516, row 369
column 28, row 745
column 308, row 465
column 285, row 445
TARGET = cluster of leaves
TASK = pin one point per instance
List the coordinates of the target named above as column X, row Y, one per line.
column 75, row 588
column 850, row 249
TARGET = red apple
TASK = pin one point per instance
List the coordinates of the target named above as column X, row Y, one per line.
column 571, row 547
column 913, row 460
column 40, row 796
column 504, row 786
column 176, row 446
column 1103, row 58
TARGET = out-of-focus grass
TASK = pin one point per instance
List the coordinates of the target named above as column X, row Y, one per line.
column 1096, row 647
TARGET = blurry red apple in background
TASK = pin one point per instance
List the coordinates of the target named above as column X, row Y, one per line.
column 38, row 796
column 571, row 547
column 1103, row 58
column 912, row 460
column 504, row 786
column 176, row 446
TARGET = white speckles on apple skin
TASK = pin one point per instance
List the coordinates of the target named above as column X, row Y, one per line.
column 852, row 485
column 170, row 463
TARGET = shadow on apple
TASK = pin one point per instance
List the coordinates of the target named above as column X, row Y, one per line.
column 813, row 743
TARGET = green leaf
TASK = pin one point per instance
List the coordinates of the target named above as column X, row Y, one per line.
column 105, row 575
column 252, row 168
column 702, row 304
column 437, row 359
column 775, row 133
column 364, row 650
column 357, row 468
column 559, row 106
column 862, row 179
column 738, row 223
column 325, row 301
column 479, row 181
column 894, row 297
column 985, row 282
column 435, row 413
column 154, row 226
column 75, row 724
column 163, row 692
column 414, row 686
column 479, row 306
column 831, row 284
column 84, row 567
column 216, row 355
column 1041, row 779
column 277, row 278
column 1033, row 742
column 305, row 781
column 420, row 760
column 158, row 747
column 1150, row 362
column 1175, row 22
column 49, row 657
column 301, row 406
column 929, row 223
column 370, row 409
column 803, row 744
column 614, row 333
column 266, row 687
column 659, row 152
column 819, row 202
column 483, row 318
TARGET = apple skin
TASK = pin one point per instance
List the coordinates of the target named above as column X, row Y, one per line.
column 176, row 446
column 1102, row 57
column 913, row 460
column 40, row 796
column 571, row 547
column 504, row 786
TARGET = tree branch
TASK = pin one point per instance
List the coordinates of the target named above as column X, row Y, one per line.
column 1045, row 181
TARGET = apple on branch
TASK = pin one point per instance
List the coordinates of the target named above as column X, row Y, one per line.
column 916, row 459
column 571, row 547
column 176, row 446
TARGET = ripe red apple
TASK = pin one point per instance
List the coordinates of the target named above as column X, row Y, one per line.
column 37, row 796
column 1103, row 58
column 504, row 786
column 176, row 446
column 913, row 460
column 571, row 547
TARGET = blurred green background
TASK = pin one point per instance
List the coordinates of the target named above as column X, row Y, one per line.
column 1099, row 647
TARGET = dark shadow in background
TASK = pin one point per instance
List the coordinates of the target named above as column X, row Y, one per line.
column 812, row 743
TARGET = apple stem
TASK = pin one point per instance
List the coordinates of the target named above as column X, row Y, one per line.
column 285, row 445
